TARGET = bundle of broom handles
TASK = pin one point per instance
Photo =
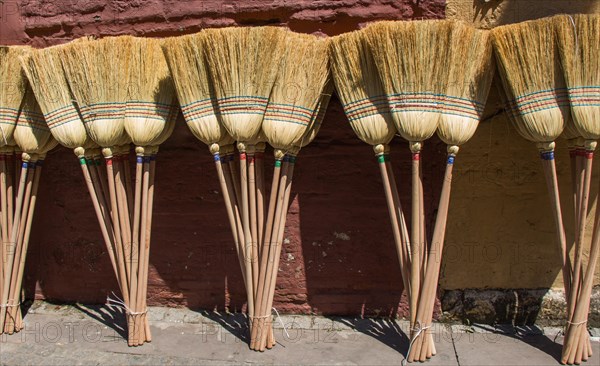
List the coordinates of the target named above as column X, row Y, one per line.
column 17, row 205
column 124, row 210
column 257, row 231
column 578, row 282
column 419, row 261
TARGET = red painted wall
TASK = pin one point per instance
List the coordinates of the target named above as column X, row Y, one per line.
column 338, row 256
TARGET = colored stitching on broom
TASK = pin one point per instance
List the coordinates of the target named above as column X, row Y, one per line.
column 547, row 155
column 139, row 159
column 242, row 156
column 277, row 163
column 24, row 165
column 217, row 157
column 416, row 156
column 451, row 159
column 82, row 161
column 60, row 117
column 292, row 160
column 381, row 159
column 109, row 161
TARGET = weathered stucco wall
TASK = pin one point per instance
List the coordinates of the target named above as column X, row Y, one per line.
column 339, row 256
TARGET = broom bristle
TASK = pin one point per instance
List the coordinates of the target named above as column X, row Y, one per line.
column 151, row 91
column 300, row 82
column 97, row 75
column 412, row 60
column 31, row 133
column 529, row 68
column 11, row 92
column 471, row 70
column 46, row 77
column 360, row 89
column 185, row 57
column 578, row 39
column 318, row 115
column 243, row 64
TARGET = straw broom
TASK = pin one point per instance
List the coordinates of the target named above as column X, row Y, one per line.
column 470, row 69
column 96, row 76
column 365, row 105
column 578, row 42
column 242, row 65
column 528, row 63
column 150, row 105
column 11, row 97
column 412, row 71
column 290, row 112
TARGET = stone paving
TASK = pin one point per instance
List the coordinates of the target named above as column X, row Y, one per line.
column 89, row 335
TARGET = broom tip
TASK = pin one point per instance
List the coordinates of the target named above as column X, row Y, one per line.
column 214, row 148
column 139, row 151
column 415, row 147
column 546, row 146
column 25, row 157
column 79, row 152
column 379, row 149
column 279, row 154
column 590, row 145
column 241, row 147
column 107, row 152
column 453, row 149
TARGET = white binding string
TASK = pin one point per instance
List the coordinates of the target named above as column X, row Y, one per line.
column 119, row 303
column 562, row 331
column 281, row 322
column 9, row 305
column 414, row 338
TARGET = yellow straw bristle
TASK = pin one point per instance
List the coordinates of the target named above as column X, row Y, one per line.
column 529, row 67
column 185, row 57
column 151, row 93
column 579, row 48
column 471, row 70
column 243, row 63
column 318, row 115
column 97, row 75
column 31, row 133
column 360, row 89
column 301, row 79
column 412, row 60
column 12, row 91
column 46, row 76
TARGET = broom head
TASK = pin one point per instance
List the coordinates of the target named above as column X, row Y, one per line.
column 578, row 39
column 296, row 94
column 185, row 57
column 151, row 93
column 31, row 133
column 360, row 89
column 412, row 61
column 243, row 64
column 318, row 116
column 529, row 68
column 471, row 70
column 47, row 79
column 97, row 75
column 12, row 91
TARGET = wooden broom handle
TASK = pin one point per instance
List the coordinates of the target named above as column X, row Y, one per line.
column 247, row 234
column 136, row 243
column 285, row 185
column 240, row 249
column 416, row 242
column 13, row 239
column 14, row 294
column 253, row 217
column 108, row 240
column 399, row 240
column 268, row 229
column 33, row 199
column 428, row 292
column 148, row 237
column 552, row 182
column 260, row 198
column 4, row 218
column 270, row 251
column 581, row 311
